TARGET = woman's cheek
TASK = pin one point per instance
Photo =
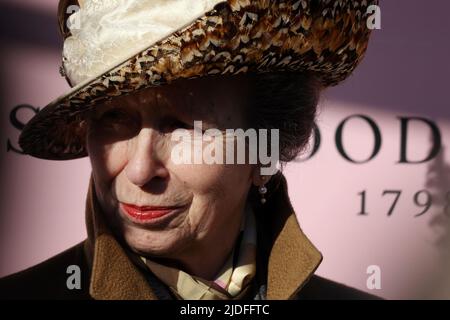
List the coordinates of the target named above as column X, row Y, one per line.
column 197, row 177
column 215, row 180
column 108, row 160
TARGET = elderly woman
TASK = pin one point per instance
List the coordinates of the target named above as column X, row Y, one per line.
column 144, row 71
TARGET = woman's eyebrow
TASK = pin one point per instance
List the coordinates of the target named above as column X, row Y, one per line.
column 180, row 105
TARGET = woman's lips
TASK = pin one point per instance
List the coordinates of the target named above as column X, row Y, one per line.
column 147, row 213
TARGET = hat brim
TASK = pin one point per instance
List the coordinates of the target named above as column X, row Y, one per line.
column 326, row 38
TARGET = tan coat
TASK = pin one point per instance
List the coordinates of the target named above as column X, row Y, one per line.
column 286, row 263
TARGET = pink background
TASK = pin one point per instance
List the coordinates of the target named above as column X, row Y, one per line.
column 405, row 73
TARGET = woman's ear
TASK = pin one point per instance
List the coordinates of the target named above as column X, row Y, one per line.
column 258, row 179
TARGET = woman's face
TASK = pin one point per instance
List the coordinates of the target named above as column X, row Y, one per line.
column 159, row 207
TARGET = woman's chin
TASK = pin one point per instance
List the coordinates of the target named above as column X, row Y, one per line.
column 154, row 243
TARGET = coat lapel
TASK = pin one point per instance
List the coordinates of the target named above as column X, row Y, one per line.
column 113, row 276
column 290, row 257
column 292, row 262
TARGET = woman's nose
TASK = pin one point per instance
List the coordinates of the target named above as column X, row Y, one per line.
column 144, row 158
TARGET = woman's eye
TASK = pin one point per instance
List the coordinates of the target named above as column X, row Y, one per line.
column 117, row 121
column 114, row 115
column 171, row 124
column 118, row 117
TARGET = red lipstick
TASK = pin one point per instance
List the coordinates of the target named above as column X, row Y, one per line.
column 146, row 213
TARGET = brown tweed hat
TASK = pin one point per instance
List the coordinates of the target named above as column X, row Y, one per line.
column 114, row 47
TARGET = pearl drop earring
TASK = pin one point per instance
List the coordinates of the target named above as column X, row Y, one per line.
column 262, row 191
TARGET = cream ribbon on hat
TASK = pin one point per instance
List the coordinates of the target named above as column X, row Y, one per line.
column 105, row 33
column 231, row 280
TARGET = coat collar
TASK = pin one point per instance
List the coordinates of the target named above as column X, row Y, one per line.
column 290, row 257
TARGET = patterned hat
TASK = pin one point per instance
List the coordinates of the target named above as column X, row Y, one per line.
column 115, row 47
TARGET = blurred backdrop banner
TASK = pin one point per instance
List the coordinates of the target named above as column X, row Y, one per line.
column 372, row 191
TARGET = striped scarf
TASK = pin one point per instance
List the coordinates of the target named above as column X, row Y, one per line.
column 233, row 279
